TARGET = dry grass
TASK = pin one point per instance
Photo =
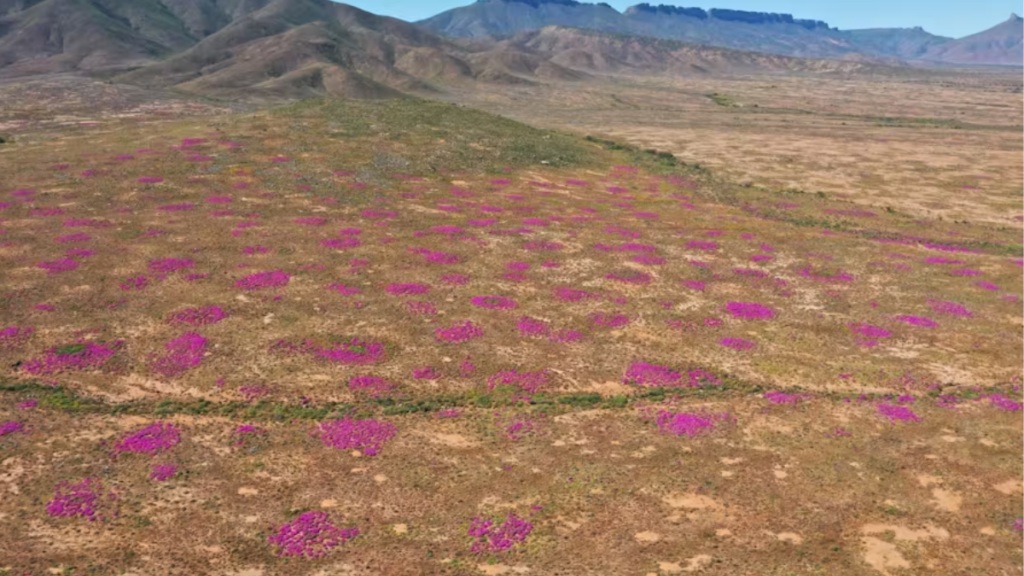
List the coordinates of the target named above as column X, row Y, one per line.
column 941, row 147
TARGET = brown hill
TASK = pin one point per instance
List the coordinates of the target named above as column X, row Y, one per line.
column 1001, row 44
column 592, row 51
column 47, row 36
column 297, row 47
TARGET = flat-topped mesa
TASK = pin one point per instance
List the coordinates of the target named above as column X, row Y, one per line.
column 536, row 3
column 698, row 13
column 726, row 15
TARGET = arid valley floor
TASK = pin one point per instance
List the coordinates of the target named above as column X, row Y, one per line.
column 736, row 325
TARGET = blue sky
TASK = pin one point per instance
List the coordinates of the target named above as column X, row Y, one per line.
column 954, row 18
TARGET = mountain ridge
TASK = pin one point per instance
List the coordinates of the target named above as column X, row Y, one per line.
column 769, row 32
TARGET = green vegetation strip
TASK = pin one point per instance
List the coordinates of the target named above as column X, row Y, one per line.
column 61, row 399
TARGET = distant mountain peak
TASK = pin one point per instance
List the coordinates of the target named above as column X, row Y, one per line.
column 1014, row 18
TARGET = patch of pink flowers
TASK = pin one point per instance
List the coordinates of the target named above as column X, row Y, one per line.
column 168, row 265
column 373, row 384
column 183, row 353
column 869, row 335
column 749, row 310
column 426, row 373
column 532, row 327
column 685, row 424
column 163, row 472
column 81, row 356
column 702, row 245
column 1004, row 403
column 461, row 332
column 85, row 499
column 11, row 427
column 273, row 279
column 136, row 283
column 737, row 344
column 492, row 538
column 608, row 320
column 950, row 308
column 57, row 266
column 897, row 413
column 529, row 382
column 311, row 535
column 153, row 439
column 776, row 397
column 919, row 321
column 571, row 294
column 368, row 436
column 13, row 335
column 341, row 243
column 654, row 375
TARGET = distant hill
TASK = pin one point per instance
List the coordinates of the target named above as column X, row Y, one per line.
column 601, row 52
column 755, row 31
column 904, row 43
column 300, row 48
column 1001, row 44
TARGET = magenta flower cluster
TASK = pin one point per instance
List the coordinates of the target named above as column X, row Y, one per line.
column 311, row 535
column 737, row 344
column 571, row 294
column 341, row 243
column 950, row 308
column 14, row 334
column 81, row 356
column 135, row 283
column 869, row 335
column 608, row 320
column 461, row 332
column 897, row 413
column 776, row 397
column 749, row 310
column 492, row 538
column 1004, row 403
column 183, row 353
column 153, row 439
column 272, row 279
column 57, row 266
column 169, row 265
column 529, row 382
column 368, row 436
column 85, row 499
column 11, row 427
column 373, row 384
column 654, row 375
column 684, row 424
column 355, row 352
column 163, row 472
column 919, row 321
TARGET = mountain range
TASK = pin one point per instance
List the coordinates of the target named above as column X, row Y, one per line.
column 284, row 49
column 757, row 31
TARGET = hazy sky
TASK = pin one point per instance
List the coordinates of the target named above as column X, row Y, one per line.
column 954, row 18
